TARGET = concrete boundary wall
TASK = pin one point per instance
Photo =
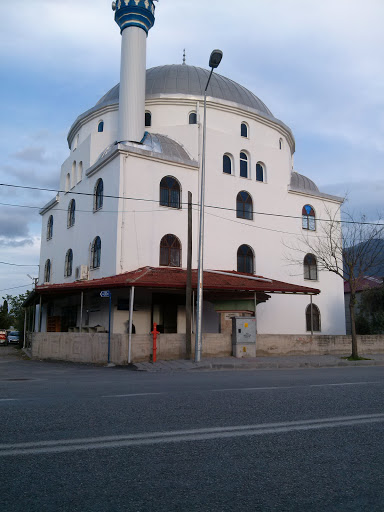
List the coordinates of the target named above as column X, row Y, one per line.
column 93, row 348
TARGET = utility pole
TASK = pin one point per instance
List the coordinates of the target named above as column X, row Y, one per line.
column 188, row 291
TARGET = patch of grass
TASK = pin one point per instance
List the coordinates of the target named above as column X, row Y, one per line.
column 350, row 358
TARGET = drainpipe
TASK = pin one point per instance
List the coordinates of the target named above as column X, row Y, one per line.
column 311, row 317
column 81, row 310
column 40, row 312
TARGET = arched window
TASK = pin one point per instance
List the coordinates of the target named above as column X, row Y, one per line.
column 313, row 320
column 71, row 213
column 244, row 130
column 280, row 143
column 67, row 182
column 47, row 271
column 68, row 263
column 75, row 142
column 50, row 227
column 227, row 164
column 243, row 165
column 148, row 119
column 308, row 215
column 259, row 172
column 244, row 206
column 98, row 195
column 193, row 118
column 80, row 172
column 100, row 127
column 245, row 259
column 96, row 253
column 170, row 251
column 73, row 174
column 170, row 192
column 310, row 267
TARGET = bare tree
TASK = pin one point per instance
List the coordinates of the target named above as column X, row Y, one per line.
column 350, row 248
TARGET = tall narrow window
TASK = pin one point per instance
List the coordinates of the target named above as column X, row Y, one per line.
column 100, row 127
column 47, row 271
column 243, row 165
column 244, row 130
column 73, row 174
column 170, row 251
column 148, row 119
column 67, row 182
column 96, row 253
column 50, row 228
column 280, row 143
column 68, row 263
column 170, row 192
column 98, row 195
column 259, row 172
column 245, row 259
column 310, row 267
column 193, row 118
column 71, row 213
column 313, row 320
column 308, row 216
column 244, row 206
column 80, row 172
column 227, row 164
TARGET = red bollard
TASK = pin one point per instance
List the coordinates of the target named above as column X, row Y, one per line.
column 155, row 332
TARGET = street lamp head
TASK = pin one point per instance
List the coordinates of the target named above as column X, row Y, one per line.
column 215, row 58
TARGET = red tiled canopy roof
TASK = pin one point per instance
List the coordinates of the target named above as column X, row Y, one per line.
column 176, row 278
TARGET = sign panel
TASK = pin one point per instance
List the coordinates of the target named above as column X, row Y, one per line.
column 105, row 293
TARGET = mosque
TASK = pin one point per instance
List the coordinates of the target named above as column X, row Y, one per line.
column 120, row 220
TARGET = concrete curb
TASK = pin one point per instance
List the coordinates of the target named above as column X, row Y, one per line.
column 182, row 366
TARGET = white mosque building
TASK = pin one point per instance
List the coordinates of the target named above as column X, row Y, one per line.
column 120, row 220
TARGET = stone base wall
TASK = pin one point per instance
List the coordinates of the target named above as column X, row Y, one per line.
column 93, row 348
column 291, row 345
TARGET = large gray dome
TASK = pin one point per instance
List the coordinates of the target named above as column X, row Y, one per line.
column 191, row 80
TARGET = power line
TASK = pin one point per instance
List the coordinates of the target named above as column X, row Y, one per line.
column 15, row 287
column 267, row 214
column 17, row 264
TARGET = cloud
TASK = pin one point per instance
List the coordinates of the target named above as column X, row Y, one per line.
column 32, row 154
column 14, row 225
column 16, row 243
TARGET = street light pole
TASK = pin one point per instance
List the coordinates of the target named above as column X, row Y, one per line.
column 214, row 62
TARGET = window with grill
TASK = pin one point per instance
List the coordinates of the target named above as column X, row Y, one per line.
column 170, row 192
column 308, row 216
column 96, row 253
column 245, row 259
column 47, row 271
column 50, row 228
column 98, row 195
column 310, row 267
column 313, row 320
column 244, row 206
column 68, row 263
column 170, row 251
column 71, row 213
column 243, row 165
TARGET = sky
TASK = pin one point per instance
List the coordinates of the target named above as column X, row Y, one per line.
column 318, row 66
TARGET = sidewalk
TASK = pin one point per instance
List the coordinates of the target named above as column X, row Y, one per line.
column 231, row 363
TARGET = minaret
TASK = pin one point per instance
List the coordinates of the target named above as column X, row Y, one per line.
column 135, row 18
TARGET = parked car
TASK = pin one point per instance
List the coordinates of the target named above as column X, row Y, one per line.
column 3, row 337
column 13, row 337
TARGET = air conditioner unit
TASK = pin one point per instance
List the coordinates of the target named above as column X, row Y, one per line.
column 81, row 273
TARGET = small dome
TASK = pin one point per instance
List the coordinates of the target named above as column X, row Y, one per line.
column 191, row 81
column 302, row 183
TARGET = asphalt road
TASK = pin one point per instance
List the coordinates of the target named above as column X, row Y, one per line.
column 82, row 438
